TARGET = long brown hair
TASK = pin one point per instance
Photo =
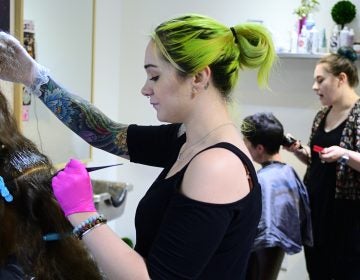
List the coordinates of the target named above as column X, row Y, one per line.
column 34, row 212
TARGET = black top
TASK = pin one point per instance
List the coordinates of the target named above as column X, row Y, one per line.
column 181, row 238
column 321, row 185
column 335, row 220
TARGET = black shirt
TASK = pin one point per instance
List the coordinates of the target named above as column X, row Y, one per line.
column 181, row 238
column 321, row 185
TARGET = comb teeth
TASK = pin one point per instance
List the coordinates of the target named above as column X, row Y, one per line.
column 90, row 169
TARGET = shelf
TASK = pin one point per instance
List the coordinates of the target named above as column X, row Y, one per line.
column 306, row 55
column 301, row 55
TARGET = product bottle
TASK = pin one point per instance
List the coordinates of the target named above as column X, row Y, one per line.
column 310, row 22
column 302, row 41
column 344, row 35
column 314, row 40
column 323, row 42
column 293, row 42
column 351, row 37
column 334, row 40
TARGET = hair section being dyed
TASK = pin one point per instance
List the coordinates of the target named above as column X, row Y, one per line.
column 34, row 212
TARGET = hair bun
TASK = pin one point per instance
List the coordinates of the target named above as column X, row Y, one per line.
column 348, row 53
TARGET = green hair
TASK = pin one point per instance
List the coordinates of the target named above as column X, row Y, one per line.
column 192, row 42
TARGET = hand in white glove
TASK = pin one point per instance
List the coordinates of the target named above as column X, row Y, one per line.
column 16, row 65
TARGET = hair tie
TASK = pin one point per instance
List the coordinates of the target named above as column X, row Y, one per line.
column 234, row 34
column 4, row 191
column 348, row 53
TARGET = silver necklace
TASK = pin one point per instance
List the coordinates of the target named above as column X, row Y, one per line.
column 202, row 139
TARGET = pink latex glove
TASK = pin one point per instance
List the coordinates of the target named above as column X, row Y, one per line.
column 73, row 190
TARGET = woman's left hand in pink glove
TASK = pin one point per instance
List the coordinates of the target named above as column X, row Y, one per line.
column 73, row 190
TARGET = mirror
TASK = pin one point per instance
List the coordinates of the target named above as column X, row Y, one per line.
column 60, row 35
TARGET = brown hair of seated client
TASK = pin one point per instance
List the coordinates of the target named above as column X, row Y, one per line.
column 34, row 212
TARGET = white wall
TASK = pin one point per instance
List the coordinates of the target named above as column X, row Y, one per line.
column 122, row 34
column 67, row 44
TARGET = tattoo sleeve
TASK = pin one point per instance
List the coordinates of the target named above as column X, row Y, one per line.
column 85, row 119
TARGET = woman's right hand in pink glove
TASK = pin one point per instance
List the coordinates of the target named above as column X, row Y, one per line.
column 73, row 190
column 16, row 65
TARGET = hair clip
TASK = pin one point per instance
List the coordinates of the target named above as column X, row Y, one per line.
column 4, row 191
column 54, row 236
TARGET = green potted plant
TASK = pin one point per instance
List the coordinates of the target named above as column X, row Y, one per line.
column 304, row 10
column 343, row 12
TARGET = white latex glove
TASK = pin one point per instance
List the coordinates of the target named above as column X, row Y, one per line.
column 17, row 66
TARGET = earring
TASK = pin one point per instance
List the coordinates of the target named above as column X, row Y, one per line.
column 206, row 86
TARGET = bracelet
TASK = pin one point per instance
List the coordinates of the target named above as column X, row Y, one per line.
column 344, row 159
column 89, row 224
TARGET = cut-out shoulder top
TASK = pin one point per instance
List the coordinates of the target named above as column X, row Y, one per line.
column 181, row 238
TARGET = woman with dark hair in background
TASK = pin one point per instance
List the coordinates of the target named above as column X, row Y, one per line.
column 35, row 237
column 333, row 172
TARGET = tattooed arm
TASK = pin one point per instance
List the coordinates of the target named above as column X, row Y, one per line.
column 16, row 65
column 85, row 119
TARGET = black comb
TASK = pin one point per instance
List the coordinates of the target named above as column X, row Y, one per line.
column 90, row 169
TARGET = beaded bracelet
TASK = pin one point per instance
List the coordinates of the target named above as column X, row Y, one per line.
column 88, row 225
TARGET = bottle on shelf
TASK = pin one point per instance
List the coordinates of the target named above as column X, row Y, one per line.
column 302, row 41
column 313, row 41
column 351, row 37
column 293, row 42
column 323, row 41
column 334, row 40
column 310, row 22
column 343, row 38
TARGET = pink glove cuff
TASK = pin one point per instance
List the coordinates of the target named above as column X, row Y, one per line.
column 89, row 208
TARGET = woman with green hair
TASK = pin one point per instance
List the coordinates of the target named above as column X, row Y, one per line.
column 198, row 219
